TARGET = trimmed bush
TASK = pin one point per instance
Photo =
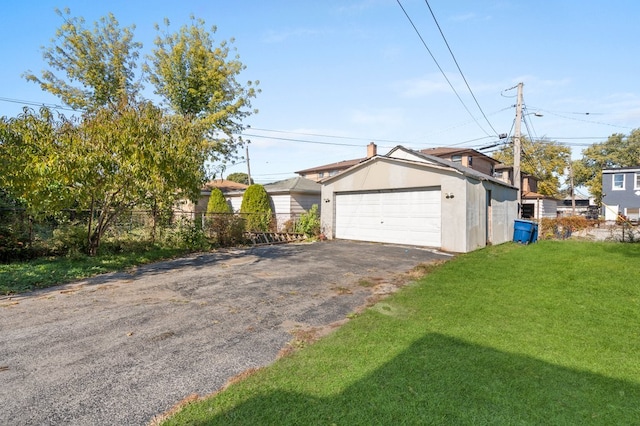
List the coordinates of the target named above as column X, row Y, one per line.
column 256, row 208
column 217, row 203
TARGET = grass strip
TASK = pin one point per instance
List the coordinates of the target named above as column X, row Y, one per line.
column 21, row 277
column 511, row 334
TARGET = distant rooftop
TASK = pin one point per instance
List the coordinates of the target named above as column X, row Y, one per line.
column 440, row 151
column 296, row 184
column 224, row 185
column 340, row 165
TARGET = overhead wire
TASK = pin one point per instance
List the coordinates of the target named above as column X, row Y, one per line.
column 440, row 68
column 583, row 120
column 319, row 135
column 38, row 104
column 390, row 141
column 459, row 69
column 328, row 136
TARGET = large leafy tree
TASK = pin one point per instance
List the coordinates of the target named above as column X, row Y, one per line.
column 240, row 177
column 34, row 160
column 120, row 151
column 618, row 150
column 544, row 159
column 97, row 65
column 198, row 80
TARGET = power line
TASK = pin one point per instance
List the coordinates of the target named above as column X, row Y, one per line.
column 300, row 140
column 329, row 136
column 581, row 119
column 459, row 69
column 38, row 104
column 440, row 68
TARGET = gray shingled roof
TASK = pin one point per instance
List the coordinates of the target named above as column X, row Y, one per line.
column 295, row 184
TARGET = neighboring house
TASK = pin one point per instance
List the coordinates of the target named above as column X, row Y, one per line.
column 504, row 173
column 408, row 197
column 321, row 172
column 465, row 156
column 292, row 197
column 584, row 206
column 534, row 204
column 621, row 193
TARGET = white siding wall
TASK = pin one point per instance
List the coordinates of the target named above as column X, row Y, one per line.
column 549, row 208
column 504, row 209
column 301, row 203
column 544, row 208
column 281, row 206
column 463, row 200
column 235, row 201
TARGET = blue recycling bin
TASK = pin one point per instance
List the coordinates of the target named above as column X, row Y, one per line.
column 524, row 231
column 534, row 233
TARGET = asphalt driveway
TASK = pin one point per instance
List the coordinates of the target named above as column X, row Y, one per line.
column 123, row 348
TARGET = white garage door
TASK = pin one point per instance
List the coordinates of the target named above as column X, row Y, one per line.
column 400, row 217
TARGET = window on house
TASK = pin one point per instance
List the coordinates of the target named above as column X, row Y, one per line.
column 632, row 213
column 470, row 161
column 528, row 211
column 618, row 182
column 320, row 174
column 333, row 172
column 456, row 158
column 637, row 182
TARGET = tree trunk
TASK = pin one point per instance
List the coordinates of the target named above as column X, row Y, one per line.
column 89, row 244
column 155, row 221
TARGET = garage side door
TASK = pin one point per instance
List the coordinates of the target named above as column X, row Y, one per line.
column 399, row 217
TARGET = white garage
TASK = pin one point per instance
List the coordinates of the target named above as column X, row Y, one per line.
column 407, row 197
column 410, row 216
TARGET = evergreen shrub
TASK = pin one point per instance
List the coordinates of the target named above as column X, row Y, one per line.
column 256, row 209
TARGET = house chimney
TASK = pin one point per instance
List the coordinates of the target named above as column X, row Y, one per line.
column 372, row 150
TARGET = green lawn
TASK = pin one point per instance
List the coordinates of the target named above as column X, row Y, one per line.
column 541, row 334
column 20, row 277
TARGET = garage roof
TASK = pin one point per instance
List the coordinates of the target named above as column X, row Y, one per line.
column 295, row 184
column 400, row 153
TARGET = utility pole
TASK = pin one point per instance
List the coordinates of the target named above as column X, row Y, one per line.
column 248, row 166
column 517, row 149
column 573, row 192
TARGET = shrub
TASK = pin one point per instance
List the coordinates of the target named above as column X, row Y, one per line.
column 563, row 227
column 256, row 208
column 309, row 222
column 69, row 238
column 227, row 229
column 217, row 203
column 188, row 234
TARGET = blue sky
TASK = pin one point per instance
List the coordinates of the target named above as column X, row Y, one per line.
column 336, row 75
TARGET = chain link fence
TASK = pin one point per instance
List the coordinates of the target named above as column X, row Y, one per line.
column 23, row 237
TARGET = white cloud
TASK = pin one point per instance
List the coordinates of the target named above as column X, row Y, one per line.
column 383, row 117
column 273, row 36
column 536, row 82
column 421, row 87
column 471, row 16
column 359, row 6
column 462, row 18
